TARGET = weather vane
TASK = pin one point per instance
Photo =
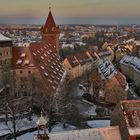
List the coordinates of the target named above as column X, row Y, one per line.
column 49, row 6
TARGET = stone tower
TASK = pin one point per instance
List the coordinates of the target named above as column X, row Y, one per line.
column 51, row 31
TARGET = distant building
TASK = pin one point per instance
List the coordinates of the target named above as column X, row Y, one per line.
column 130, row 66
column 106, row 52
column 127, row 116
column 137, row 48
column 115, row 85
column 5, row 55
column 122, row 50
column 5, row 50
column 80, row 64
column 137, row 45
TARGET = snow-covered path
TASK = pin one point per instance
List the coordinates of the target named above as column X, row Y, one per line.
column 85, row 108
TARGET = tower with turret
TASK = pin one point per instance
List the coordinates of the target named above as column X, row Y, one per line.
column 42, row 134
column 51, row 31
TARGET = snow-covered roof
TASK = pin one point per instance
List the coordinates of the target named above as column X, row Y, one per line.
column 137, row 43
column 107, row 133
column 4, row 38
column 98, row 123
column 41, row 121
column 106, row 69
column 132, row 61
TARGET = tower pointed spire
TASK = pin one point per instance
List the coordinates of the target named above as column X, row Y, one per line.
column 50, row 26
column 51, row 30
column 42, row 135
column 50, row 7
column 42, row 122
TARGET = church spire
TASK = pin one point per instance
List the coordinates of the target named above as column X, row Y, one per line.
column 51, row 31
column 50, row 26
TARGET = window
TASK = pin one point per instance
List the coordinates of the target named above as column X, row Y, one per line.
column 29, row 72
column 24, row 93
column 21, row 78
column 137, row 138
column 21, row 71
column 7, row 53
column 0, row 54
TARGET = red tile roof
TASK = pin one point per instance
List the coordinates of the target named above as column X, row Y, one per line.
column 131, row 112
column 50, row 26
column 92, row 54
column 22, row 58
column 47, row 62
column 73, row 62
column 80, row 59
column 121, row 79
column 83, row 58
column 114, row 91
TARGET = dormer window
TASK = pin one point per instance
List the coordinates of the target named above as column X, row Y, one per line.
column 53, row 28
column 22, row 55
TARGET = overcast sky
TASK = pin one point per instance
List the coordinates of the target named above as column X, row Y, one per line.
column 71, row 11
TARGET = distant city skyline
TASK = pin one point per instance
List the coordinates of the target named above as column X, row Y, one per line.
column 70, row 12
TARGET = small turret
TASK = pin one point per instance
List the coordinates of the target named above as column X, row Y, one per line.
column 50, row 31
column 42, row 134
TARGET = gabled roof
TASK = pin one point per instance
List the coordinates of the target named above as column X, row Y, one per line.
column 121, row 79
column 80, row 59
column 83, row 58
column 22, row 58
column 47, row 62
column 72, row 60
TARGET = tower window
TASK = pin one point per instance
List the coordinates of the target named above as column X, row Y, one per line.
column 29, row 72
column 52, row 28
column 21, row 71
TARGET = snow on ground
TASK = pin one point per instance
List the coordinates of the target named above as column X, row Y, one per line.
column 58, row 128
column 90, row 111
column 21, row 124
column 4, row 38
column 28, row 136
column 98, row 123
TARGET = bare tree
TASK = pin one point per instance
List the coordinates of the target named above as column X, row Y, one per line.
column 60, row 108
column 15, row 112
